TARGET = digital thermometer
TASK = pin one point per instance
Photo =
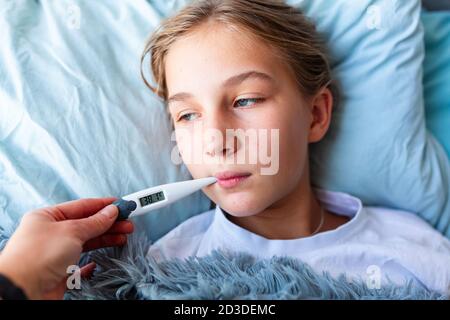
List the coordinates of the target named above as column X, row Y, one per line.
column 157, row 197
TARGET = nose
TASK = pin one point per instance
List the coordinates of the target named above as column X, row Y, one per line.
column 216, row 141
column 221, row 149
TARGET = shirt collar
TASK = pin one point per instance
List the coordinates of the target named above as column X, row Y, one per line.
column 337, row 202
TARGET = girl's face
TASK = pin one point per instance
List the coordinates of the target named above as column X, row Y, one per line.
column 220, row 78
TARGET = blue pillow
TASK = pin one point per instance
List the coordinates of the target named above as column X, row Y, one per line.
column 378, row 147
column 437, row 75
column 76, row 120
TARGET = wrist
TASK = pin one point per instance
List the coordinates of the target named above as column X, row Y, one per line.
column 19, row 277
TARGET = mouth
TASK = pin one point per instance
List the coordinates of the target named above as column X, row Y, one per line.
column 230, row 179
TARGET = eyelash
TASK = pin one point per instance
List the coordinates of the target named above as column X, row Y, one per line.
column 256, row 100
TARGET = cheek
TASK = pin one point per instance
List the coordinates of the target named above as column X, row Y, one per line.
column 293, row 133
column 293, row 142
column 293, row 149
column 185, row 140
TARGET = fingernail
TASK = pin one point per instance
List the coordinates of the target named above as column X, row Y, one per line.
column 110, row 211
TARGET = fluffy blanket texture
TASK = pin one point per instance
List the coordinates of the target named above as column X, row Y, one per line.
column 127, row 273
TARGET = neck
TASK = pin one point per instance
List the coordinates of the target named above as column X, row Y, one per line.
column 295, row 216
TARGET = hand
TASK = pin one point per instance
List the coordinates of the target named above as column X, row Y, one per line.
column 50, row 239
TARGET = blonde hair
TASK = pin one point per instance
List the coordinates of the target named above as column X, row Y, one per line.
column 277, row 24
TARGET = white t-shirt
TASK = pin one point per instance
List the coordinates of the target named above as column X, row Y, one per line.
column 376, row 243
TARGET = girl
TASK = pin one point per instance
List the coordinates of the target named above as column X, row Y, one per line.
column 241, row 64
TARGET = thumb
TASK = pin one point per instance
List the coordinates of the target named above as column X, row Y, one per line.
column 98, row 223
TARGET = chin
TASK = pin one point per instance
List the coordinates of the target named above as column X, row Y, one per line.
column 241, row 204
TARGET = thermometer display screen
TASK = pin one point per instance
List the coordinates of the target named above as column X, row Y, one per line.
column 152, row 198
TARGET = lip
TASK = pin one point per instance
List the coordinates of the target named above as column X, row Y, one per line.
column 230, row 179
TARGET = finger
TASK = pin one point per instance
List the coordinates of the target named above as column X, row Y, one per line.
column 97, row 224
column 122, row 227
column 107, row 240
column 82, row 208
column 87, row 270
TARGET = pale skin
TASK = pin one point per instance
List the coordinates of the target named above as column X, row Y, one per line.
column 280, row 206
column 48, row 240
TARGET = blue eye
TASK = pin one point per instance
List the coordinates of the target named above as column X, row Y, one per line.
column 187, row 117
column 247, row 101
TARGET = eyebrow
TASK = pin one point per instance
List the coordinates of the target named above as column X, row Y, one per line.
column 232, row 81
column 238, row 79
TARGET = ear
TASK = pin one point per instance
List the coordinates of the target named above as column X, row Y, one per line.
column 321, row 109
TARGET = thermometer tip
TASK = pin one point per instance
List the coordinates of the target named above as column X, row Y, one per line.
column 212, row 179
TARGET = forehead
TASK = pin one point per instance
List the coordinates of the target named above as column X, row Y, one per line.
column 212, row 53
